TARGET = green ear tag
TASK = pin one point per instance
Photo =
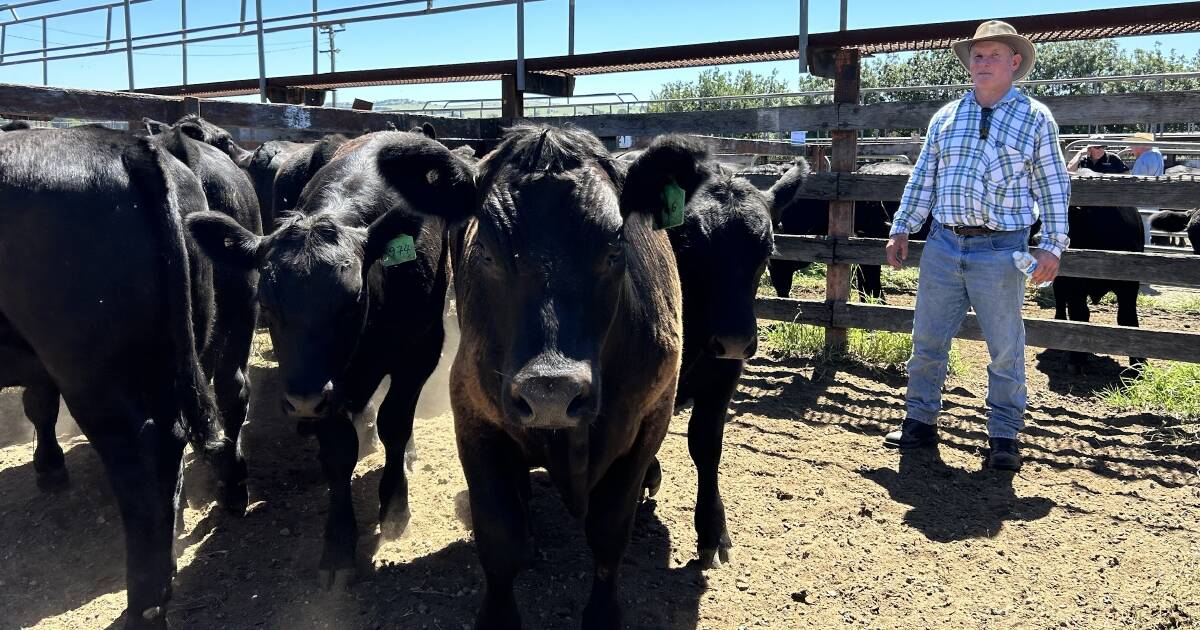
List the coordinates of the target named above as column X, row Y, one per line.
column 671, row 213
column 399, row 250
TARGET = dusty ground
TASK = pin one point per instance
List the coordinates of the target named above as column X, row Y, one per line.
column 1099, row 530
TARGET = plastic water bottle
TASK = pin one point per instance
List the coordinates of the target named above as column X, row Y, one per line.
column 1026, row 263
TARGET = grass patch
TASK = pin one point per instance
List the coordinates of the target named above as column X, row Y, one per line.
column 899, row 280
column 1165, row 387
column 875, row 348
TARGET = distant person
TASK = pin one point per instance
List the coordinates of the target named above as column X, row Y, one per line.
column 1096, row 157
column 1149, row 162
column 990, row 162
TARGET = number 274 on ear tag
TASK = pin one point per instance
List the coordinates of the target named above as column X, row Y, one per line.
column 399, row 250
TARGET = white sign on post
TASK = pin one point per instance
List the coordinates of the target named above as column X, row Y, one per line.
column 799, row 138
column 624, row 142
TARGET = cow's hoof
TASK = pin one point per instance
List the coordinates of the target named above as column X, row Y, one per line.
column 337, row 567
column 393, row 526
column 714, row 558
column 152, row 618
column 53, row 480
column 653, row 480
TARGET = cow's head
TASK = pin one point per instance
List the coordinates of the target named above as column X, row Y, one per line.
column 722, row 250
column 559, row 236
column 314, row 287
column 199, row 129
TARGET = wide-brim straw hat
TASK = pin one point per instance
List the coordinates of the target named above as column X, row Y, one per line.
column 998, row 31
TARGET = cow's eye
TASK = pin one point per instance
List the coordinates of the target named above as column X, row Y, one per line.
column 616, row 255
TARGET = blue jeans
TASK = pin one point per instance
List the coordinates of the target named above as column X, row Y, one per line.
column 970, row 271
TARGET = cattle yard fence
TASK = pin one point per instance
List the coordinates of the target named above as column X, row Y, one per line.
column 843, row 119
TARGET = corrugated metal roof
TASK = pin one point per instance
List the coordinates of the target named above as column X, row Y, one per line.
column 1162, row 19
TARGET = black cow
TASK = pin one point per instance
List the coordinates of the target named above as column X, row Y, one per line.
column 341, row 318
column 721, row 251
column 1179, row 221
column 798, row 215
column 228, row 191
column 297, row 169
column 1107, row 228
column 98, row 294
column 205, row 132
column 569, row 305
column 263, row 166
column 15, row 125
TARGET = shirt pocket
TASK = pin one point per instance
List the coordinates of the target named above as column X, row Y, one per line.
column 1007, row 165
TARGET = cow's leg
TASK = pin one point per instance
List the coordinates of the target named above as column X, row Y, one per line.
column 339, row 454
column 705, row 433
column 609, row 524
column 395, row 424
column 870, row 282
column 1127, row 293
column 653, row 480
column 496, row 479
column 142, row 458
column 40, row 399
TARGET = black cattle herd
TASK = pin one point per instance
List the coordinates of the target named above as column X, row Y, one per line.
column 595, row 294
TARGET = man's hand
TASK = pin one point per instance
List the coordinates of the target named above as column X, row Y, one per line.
column 897, row 250
column 1047, row 266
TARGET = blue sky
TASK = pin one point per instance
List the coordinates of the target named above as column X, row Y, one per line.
column 483, row 34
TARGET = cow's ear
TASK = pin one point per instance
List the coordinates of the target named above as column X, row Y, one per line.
column 386, row 235
column 223, row 240
column 191, row 130
column 154, row 127
column 669, row 164
column 431, row 179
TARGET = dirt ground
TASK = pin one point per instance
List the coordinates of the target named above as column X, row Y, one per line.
column 1101, row 528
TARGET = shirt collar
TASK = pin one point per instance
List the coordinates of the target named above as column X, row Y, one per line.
column 1010, row 95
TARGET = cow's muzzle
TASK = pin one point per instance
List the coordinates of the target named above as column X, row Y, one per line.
column 307, row 406
column 735, row 346
column 555, row 396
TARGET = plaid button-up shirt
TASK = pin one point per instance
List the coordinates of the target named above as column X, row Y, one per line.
column 1001, row 182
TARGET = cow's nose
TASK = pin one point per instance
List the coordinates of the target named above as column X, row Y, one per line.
column 554, row 400
column 307, row 405
column 737, row 346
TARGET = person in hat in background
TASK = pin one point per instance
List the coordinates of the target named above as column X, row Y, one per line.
column 1147, row 161
column 990, row 164
column 1095, row 156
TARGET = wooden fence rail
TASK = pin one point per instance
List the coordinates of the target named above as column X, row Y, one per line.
column 285, row 121
column 1122, row 190
column 1085, row 109
column 1165, row 269
column 1041, row 333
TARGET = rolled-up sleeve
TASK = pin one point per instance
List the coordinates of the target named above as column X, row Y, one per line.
column 1051, row 188
column 920, row 192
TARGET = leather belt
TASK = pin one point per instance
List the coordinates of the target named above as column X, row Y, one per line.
column 971, row 230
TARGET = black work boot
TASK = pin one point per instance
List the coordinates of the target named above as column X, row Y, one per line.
column 1004, row 455
column 912, row 434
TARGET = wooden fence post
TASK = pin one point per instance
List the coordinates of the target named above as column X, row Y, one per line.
column 844, row 150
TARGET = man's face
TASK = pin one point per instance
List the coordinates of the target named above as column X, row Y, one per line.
column 1095, row 153
column 1138, row 151
column 993, row 65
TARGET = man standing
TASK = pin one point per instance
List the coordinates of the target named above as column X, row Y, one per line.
column 989, row 157
column 1096, row 157
column 1149, row 162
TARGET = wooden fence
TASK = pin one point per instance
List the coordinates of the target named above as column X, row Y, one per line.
column 262, row 121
